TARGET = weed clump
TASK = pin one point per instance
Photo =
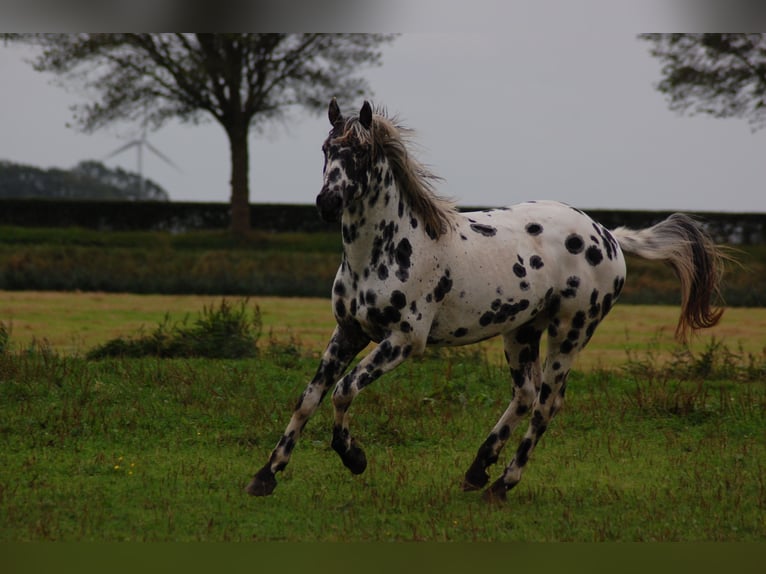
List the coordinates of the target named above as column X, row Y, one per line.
column 5, row 335
column 227, row 331
column 679, row 386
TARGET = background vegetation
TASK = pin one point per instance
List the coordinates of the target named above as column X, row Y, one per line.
column 263, row 263
column 87, row 180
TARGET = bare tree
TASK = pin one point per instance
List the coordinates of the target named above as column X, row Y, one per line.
column 242, row 81
column 723, row 75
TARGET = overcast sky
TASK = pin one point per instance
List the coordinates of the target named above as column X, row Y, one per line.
column 528, row 112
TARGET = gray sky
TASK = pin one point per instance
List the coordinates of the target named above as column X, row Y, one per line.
column 554, row 111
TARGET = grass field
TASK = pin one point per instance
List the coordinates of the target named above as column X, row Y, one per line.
column 149, row 449
column 73, row 322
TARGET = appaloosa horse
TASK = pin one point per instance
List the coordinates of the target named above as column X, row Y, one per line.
column 416, row 272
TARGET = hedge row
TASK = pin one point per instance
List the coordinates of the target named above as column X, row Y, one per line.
column 279, row 264
column 732, row 228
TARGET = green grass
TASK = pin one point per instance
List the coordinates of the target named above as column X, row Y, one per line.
column 152, row 449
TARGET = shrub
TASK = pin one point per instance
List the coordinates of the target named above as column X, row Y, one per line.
column 224, row 332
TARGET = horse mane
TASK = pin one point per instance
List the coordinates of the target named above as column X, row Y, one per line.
column 416, row 182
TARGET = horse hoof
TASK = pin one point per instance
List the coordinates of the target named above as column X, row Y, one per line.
column 355, row 460
column 474, row 480
column 468, row 486
column 263, row 483
column 496, row 494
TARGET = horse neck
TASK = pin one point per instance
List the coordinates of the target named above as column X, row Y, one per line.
column 382, row 214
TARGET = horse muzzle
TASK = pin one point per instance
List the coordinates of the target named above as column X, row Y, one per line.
column 330, row 205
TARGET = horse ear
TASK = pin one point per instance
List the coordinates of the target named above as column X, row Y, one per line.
column 365, row 115
column 334, row 112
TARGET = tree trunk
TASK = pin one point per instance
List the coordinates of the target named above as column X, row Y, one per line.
column 240, row 187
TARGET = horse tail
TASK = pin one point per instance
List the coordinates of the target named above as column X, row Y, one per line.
column 697, row 261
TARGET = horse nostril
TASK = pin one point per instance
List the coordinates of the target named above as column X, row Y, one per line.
column 329, row 205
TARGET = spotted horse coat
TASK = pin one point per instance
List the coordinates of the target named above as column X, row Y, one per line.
column 416, row 272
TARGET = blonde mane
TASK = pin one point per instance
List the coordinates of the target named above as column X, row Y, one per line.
column 415, row 181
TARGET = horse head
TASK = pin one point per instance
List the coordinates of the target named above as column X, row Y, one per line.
column 347, row 161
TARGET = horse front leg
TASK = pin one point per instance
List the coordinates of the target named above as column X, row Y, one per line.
column 346, row 342
column 386, row 356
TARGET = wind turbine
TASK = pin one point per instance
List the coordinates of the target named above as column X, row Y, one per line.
column 139, row 145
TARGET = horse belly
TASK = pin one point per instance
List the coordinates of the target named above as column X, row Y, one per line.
column 490, row 304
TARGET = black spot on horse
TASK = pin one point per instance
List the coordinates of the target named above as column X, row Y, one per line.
column 574, row 244
column 536, row 262
column 510, row 310
column 606, row 306
column 568, row 293
column 460, row 332
column 398, row 299
column 340, row 308
column 377, row 250
column 534, row 228
column 485, row 230
column 443, row 287
column 339, row 288
column 566, row 347
column 573, row 283
column 519, row 270
column 619, row 283
column 538, row 424
column 527, row 335
column 486, row 318
column 382, row 272
column 522, row 454
column 334, row 175
column 370, row 297
column 391, row 315
column 349, row 233
column 593, row 255
column 402, row 255
column 545, row 392
column 595, row 306
column 518, row 376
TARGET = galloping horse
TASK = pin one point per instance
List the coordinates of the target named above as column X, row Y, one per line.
column 417, row 272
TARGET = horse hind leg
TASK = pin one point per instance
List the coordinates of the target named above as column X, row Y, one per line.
column 565, row 340
column 522, row 351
